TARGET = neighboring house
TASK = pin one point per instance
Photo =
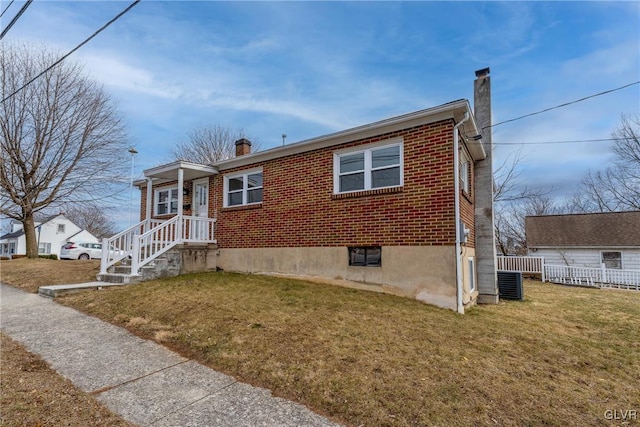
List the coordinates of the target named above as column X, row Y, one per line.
column 378, row 206
column 51, row 234
column 586, row 240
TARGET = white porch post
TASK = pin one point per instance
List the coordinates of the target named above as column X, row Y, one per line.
column 147, row 214
column 180, row 226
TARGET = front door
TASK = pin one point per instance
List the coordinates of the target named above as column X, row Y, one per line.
column 201, row 207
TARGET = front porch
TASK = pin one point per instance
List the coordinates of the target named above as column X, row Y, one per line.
column 165, row 226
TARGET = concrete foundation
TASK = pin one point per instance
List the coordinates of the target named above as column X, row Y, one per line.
column 426, row 273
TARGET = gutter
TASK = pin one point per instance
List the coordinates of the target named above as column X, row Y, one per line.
column 456, row 186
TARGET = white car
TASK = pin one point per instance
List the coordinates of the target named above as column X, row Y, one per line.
column 81, row 250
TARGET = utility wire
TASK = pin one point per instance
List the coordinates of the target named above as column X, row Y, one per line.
column 580, row 141
column 5, row 9
column 15, row 18
column 73, row 50
column 562, row 105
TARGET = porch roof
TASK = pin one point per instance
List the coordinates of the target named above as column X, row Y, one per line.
column 169, row 172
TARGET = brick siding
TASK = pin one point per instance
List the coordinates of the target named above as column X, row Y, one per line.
column 299, row 208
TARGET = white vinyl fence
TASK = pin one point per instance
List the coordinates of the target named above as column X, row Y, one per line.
column 596, row 277
column 523, row 264
column 568, row 275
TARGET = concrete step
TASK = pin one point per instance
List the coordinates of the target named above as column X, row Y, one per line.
column 53, row 291
column 120, row 269
column 118, row 278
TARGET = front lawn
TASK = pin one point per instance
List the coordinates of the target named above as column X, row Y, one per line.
column 565, row 356
column 30, row 274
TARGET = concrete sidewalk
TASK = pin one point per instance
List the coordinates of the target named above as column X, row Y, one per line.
column 140, row 380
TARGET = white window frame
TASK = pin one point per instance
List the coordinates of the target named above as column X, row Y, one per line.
column 44, row 248
column 61, row 228
column 157, row 200
column 368, row 169
column 245, row 187
column 472, row 275
column 465, row 167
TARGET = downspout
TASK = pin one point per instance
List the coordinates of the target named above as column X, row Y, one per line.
column 456, row 189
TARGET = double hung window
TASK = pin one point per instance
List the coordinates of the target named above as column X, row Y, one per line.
column 464, row 174
column 167, row 201
column 368, row 169
column 243, row 189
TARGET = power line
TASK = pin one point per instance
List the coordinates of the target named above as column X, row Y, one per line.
column 73, row 50
column 579, row 141
column 15, row 18
column 5, row 9
column 562, row 105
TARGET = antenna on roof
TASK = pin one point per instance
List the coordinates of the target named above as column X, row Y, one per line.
column 284, row 137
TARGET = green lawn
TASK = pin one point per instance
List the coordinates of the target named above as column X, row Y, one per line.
column 562, row 357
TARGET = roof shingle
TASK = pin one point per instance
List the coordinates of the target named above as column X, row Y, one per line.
column 596, row 229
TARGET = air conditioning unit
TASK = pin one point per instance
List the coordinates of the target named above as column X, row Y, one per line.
column 510, row 285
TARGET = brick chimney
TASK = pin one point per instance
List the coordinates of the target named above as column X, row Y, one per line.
column 243, row 146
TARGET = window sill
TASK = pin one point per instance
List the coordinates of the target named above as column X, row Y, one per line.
column 242, row 207
column 167, row 215
column 366, row 193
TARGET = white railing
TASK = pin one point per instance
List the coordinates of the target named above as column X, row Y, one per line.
column 523, row 264
column 149, row 239
column 153, row 243
column 118, row 247
column 196, row 229
column 596, row 277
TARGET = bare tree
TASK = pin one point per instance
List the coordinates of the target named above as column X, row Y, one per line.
column 93, row 218
column 209, row 144
column 508, row 185
column 62, row 140
column 616, row 188
column 510, row 221
column 514, row 199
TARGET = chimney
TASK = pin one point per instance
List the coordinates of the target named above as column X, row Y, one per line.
column 243, row 146
column 485, row 234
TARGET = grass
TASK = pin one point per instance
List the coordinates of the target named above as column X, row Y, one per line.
column 31, row 394
column 29, row 274
column 562, row 357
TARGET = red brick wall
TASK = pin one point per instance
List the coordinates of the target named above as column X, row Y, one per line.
column 299, row 208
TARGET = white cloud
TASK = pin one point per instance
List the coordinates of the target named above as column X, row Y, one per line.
column 118, row 74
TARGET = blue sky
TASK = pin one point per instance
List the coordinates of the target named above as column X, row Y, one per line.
column 311, row 68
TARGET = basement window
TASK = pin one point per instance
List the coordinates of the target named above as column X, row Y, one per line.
column 365, row 256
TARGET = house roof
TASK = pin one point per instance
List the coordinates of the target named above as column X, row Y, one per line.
column 613, row 229
column 13, row 235
column 18, row 233
column 169, row 172
column 451, row 110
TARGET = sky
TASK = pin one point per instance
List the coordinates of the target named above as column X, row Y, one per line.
column 306, row 69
